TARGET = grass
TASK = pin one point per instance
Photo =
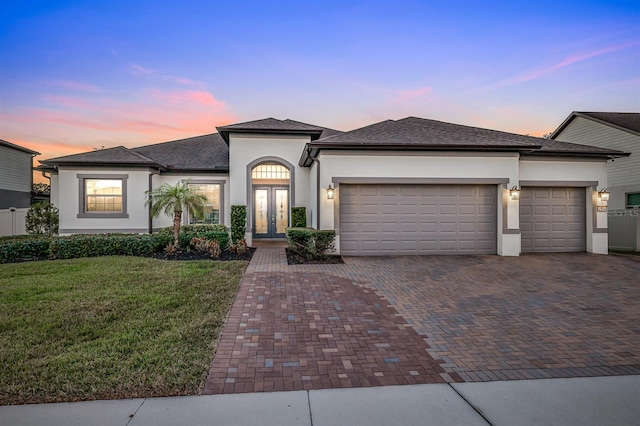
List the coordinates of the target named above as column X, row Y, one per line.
column 110, row 327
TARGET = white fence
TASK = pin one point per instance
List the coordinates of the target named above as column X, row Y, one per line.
column 624, row 230
column 13, row 222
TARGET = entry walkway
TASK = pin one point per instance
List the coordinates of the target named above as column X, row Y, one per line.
column 291, row 329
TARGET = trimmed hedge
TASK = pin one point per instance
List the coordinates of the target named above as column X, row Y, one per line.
column 215, row 232
column 91, row 245
column 24, row 248
column 238, row 223
column 311, row 243
column 27, row 247
column 298, row 217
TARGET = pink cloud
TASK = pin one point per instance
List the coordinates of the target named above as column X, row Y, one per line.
column 189, row 96
column 140, row 71
column 573, row 59
column 76, row 85
column 144, row 117
column 407, row 95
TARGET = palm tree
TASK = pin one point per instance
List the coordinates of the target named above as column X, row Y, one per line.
column 172, row 200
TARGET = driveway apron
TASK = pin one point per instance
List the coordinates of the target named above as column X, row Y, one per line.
column 428, row 319
column 299, row 327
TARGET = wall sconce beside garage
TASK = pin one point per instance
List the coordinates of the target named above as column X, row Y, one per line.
column 514, row 193
column 330, row 191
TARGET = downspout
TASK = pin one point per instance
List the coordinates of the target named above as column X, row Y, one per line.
column 150, row 202
column 317, row 191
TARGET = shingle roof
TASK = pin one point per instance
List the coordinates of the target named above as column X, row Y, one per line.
column 207, row 152
column 18, row 147
column 626, row 121
column 115, row 155
column 273, row 125
column 422, row 134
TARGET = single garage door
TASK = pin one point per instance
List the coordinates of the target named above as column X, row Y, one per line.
column 417, row 219
column 552, row 219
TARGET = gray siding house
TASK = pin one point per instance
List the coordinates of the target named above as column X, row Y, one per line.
column 619, row 131
column 16, row 175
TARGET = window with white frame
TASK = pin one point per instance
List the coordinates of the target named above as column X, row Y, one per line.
column 103, row 196
column 212, row 208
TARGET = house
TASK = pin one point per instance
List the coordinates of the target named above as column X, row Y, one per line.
column 16, row 175
column 16, row 181
column 618, row 131
column 409, row 186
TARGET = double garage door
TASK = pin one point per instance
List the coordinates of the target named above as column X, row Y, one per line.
column 417, row 219
column 454, row 219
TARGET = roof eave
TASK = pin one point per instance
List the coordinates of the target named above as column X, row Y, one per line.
column 98, row 163
column 603, row 155
column 575, row 114
column 425, row 147
column 314, row 134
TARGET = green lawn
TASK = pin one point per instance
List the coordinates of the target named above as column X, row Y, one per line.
column 110, row 327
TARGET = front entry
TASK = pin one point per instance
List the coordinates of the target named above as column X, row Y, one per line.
column 271, row 211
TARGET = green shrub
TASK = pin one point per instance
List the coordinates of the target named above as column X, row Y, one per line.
column 215, row 232
column 42, row 219
column 238, row 223
column 24, row 247
column 106, row 245
column 298, row 217
column 311, row 243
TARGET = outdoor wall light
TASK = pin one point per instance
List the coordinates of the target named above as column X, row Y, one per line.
column 330, row 192
column 603, row 194
column 514, row 193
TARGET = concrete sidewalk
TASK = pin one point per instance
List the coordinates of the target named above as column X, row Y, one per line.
column 578, row 401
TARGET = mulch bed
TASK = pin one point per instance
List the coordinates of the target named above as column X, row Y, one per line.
column 194, row 255
column 296, row 259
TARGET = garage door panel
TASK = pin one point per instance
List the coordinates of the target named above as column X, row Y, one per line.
column 418, row 219
column 552, row 219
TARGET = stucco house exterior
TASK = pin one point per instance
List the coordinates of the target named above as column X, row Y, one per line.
column 409, row 186
column 618, row 131
column 16, row 181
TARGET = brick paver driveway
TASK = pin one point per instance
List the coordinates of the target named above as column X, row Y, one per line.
column 399, row 320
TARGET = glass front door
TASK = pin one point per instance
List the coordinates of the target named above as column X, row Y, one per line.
column 271, row 211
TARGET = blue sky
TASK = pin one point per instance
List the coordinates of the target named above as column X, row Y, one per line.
column 77, row 74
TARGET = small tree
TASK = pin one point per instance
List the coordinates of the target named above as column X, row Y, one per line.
column 42, row 218
column 172, row 201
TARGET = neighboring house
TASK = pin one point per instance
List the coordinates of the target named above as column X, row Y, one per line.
column 16, row 181
column 16, row 175
column 618, row 131
column 411, row 186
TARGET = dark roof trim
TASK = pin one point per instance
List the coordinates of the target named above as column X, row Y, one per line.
column 315, row 134
column 18, row 147
column 587, row 116
column 312, row 150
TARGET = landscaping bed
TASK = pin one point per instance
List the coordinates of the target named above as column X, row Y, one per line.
column 294, row 258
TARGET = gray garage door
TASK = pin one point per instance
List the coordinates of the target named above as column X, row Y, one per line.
column 552, row 219
column 417, row 219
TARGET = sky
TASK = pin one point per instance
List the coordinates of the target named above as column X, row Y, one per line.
column 79, row 75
